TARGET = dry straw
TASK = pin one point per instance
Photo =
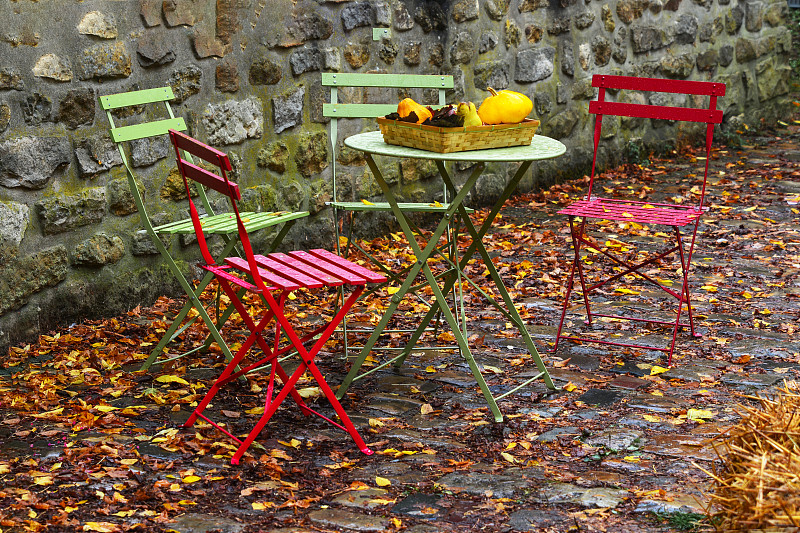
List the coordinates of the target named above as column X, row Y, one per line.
column 757, row 485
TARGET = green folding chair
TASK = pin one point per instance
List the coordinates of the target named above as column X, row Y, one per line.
column 149, row 119
column 418, row 85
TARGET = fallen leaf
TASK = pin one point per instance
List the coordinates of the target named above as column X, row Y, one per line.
column 382, row 481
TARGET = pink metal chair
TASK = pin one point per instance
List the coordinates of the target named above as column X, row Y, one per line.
column 682, row 219
column 272, row 277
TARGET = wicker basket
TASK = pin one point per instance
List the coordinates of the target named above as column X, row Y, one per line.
column 446, row 140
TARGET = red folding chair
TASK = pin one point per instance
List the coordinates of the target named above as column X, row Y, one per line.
column 272, row 277
column 674, row 216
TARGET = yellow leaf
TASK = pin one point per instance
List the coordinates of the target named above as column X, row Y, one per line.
column 430, row 370
column 171, row 379
column 366, row 202
column 655, row 370
column 43, row 480
column 747, row 295
column 748, row 209
column 631, row 459
column 105, row 408
column 699, row 414
column 627, row 215
column 426, row 409
column 508, row 457
column 709, row 288
column 652, row 418
column 657, row 393
column 397, row 523
column 191, row 479
column 375, row 423
column 436, row 204
column 309, row 392
column 261, row 506
column 382, row 481
column 569, row 387
column 625, row 291
column 648, row 206
column 128, row 462
column 392, row 290
column 492, row 369
column 101, row 527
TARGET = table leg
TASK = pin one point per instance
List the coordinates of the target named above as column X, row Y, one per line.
column 422, row 256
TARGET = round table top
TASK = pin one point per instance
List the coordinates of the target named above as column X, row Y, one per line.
column 540, row 148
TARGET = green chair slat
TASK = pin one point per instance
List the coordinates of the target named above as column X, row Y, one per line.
column 147, row 129
column 225, row 223
column 145, row 96
column 359, row 79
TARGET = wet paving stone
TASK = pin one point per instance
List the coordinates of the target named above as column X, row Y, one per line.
column 600, row 397
column 419, row 505
column 554, row 434
column 204, row 523
column 535, row 519
column 618, row 439
column 691, row 373
column 751, row 380
column 479, row 484
column 340, row 520
column 680, row 446
column 628, row 383
column 656, row 404
column 370, row 498
column 586, row 497
column 676, row 504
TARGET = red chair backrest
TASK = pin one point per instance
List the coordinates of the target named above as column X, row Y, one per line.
column 218, row 182
column 710, row 115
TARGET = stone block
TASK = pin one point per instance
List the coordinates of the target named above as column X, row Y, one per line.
column 685, row 29
column 708, row 60
column 561, row 125
column 14, row 220
column 403, row 21
column 307, row 59
column 5, row 117
column 534, row 64
column 150, row 11
column 465, row 10
column 567, row 57
column 31, row 162
column 36, row 108
column 733, row 20
column 745, row 50
column 585, row 55
column 411, row 53
column 183, row 12
column 207, row 44
column 312, row 154
column 226, row 77
column 49, row 66
column 679, row 66
column 185, row 82
column 95, row 155
column 274, row 157
column 412, row 170
column 753, row 15
column 726, row 55
column 601, row 49
column 29, row 275
column 155, row 48
column 526, row 6
column 533, row 33
column 388, row 52
column 496, row 9
column 512, row 35
column 630, row 10
column 772, row 79
column 120, row 197
column 105, row 61
column 173, row 187
column 608, row 18
column 559, row 25
column 148, row 150
column 430, row 17
column 648, row 38
column 77, row 108
column 99, row 250
column 306, row 25
column 60, row 214
column 358, row 14
column 265, row 71
column 488, row 41
column 491, row 74
column 98, row 24
column 585, row 20
column 463, row 49
column 287, row 110
column 356, row 55
column 10, row 79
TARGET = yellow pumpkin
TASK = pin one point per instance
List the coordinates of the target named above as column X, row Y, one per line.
column 504, row 107
column 407, row 105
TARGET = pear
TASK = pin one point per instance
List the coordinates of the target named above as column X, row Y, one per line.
column 470, row 114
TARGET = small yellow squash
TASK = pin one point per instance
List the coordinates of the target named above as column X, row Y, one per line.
column 408, row 105
column 504, row 107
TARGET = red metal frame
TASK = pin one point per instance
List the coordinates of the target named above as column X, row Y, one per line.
column 274, row 277
column 674, row 216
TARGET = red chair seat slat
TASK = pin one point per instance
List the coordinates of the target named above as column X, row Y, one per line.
column 221, row 271
column 329, row 268
column 324, row 277
column 288, row 272
column 656, row 112
column 276, row 281
column 638, row 212
column 632, row 83
column 366, row 273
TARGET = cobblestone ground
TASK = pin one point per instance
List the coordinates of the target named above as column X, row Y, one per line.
column 621, row 447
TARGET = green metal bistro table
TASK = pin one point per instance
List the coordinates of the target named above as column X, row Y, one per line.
column 371, row 144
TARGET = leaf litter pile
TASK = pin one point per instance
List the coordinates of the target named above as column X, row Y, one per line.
column 88, row 444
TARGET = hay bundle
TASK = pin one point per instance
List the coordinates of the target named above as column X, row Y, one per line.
column 758, row 485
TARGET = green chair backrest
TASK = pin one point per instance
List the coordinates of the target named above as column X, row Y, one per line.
column 149, row 128
column 335, row 110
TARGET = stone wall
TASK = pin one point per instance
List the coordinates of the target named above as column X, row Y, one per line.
column 246, row 74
